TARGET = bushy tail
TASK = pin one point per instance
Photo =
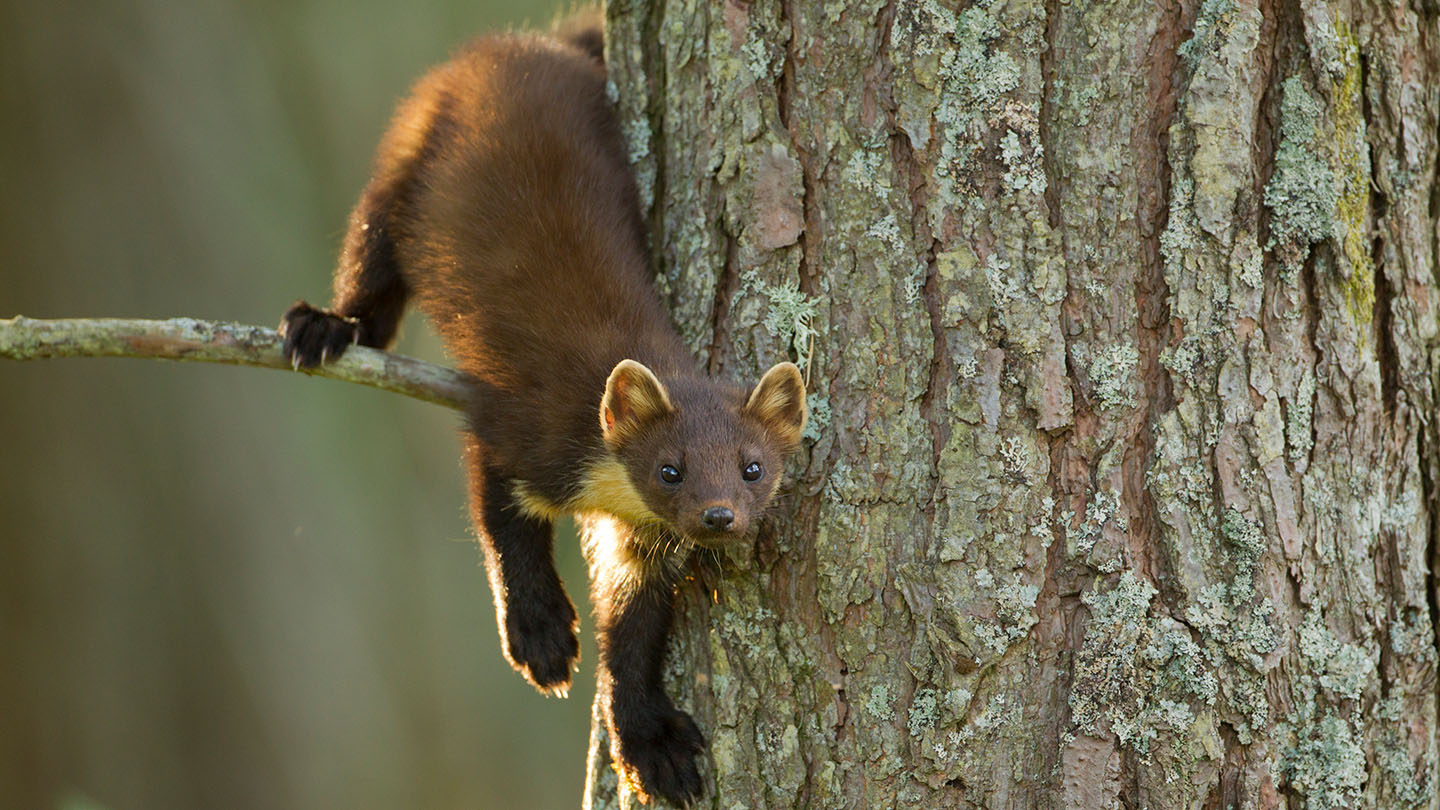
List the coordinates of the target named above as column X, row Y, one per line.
column 583, row 28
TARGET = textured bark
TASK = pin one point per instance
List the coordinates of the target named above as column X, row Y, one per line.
column 1120, row 327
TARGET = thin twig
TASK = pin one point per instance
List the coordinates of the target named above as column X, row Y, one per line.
column 232, row 343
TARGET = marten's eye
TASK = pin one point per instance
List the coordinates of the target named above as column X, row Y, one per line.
column 751, row 471
column 670, row 474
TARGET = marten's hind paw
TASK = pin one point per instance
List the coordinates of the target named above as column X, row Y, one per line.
column 314, row 336
column 656, row 756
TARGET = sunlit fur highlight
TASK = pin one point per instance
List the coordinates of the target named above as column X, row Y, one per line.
column 623, row 557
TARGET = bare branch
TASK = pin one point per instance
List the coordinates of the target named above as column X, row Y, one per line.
column 232, row 343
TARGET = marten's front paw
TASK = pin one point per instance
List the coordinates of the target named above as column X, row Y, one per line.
column 655, row 752
column 541, row 645
column 313, row 336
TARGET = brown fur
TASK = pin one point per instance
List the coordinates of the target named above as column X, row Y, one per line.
column 528, row 183
column 502, row 203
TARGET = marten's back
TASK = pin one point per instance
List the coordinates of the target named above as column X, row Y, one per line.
column 518, row 228
column 521, row 213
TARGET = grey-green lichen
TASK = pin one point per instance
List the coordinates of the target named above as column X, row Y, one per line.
column 1326, row 42
column 1105, row 670
column 1185, row 359
column 1401, row 515
column 1080, row 537
column 758, row 55
column 1004, row 287
column 1326, row 765
column 747, row 626
column 1136, row 676
column 982, row 73
column 962, row 78
column 1407, row 788
column 819, row 419
column 1251, row 263
column 637, row 133
column 637, row 136
column 1179, row 662
column 1024, row 169
column 1344, row 669
column 1112, row 372
column 922, row 712
column 863, row 171
column 880, row 703
column 935, row 723
column 790, row 318
column 1413, row 636
column 886, row 230
column 1301, row 193
column 1348, row 671
column 1298, row 417
column 1245, row 543
column 1212, row 145
column 1212, row 24
column 999, row 711
column 1393, row 758
column 1244, row 633
column 1236, row 625
column 1017, row 458
column 1324, row 761
column 1014, row 612
column 1182, row 230
column 1079, row 103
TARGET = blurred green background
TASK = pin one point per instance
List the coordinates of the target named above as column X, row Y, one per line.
column 225, row 587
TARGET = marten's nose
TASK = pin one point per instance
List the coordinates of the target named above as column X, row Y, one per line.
column 717, row 518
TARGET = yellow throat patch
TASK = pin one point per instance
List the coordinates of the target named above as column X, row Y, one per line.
column 605, row 488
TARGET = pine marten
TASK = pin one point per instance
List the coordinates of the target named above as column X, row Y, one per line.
column 503, row 204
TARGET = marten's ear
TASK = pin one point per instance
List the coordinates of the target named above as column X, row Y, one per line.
column 633, row 396
column 778, row 401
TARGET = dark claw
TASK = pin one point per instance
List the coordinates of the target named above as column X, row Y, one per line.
column 314, row 336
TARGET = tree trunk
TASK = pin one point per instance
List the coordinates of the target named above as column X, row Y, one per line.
column 1119, row 321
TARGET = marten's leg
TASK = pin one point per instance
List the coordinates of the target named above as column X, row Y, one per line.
column 369, row 291
column 537, row 620
column 653, row 743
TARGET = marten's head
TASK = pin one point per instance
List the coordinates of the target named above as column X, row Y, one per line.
column 704, row 456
